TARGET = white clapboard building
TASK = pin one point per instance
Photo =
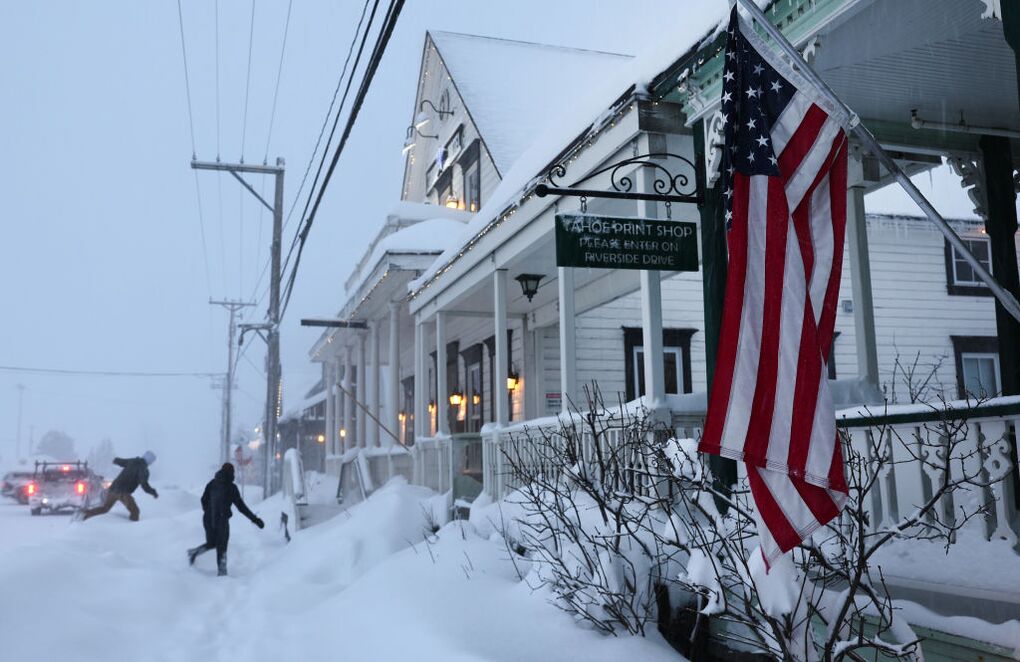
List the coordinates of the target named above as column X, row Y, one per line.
column 472, row 331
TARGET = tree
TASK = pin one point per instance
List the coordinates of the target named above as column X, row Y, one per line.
column 58, row 445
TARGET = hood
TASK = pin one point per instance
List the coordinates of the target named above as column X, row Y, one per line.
column 149, row 457
column 226, row 473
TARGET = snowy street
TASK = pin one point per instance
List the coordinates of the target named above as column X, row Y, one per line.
column 354, row 588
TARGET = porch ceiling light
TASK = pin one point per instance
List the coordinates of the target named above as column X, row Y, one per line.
column 529, row 284
column 456, row 399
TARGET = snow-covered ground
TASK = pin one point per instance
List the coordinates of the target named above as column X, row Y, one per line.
column 365, row 585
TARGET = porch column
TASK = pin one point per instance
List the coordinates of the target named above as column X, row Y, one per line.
column 500, row 371
column 394, row 372
column 362, row 392
column 651, row 310
column 860, row 276
column 568, row 338
column 374, row 386
column 527, row 372
column 442, row 403
column 420, row 392
column 328, row 375
column 1001, row 226
column 347, row 439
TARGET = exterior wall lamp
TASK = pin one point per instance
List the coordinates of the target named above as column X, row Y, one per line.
column 423, row 119
column 513, row 380
column 343, row 433
column 452, row 202
column 476, row 399
column 529, row 284
column 321, row 439
column 456, row 399
column 412, row 134
column 432, row 406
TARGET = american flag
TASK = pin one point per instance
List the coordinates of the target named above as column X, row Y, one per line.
column 784, row 177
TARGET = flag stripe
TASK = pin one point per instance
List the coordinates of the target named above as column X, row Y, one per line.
column 785, row 178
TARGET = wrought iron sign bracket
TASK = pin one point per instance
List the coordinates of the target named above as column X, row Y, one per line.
column 667, row 186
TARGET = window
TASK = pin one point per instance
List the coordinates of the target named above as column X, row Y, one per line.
column 980, row 374
column 454, row 145
column 960, row 276
column 473, row 394
column 471, row 168
column 444, row 187
column 977, row 366
column 676, row 361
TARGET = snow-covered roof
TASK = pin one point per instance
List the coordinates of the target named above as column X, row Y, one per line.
column 402, row 215
column 585, row 113
column 509, row 87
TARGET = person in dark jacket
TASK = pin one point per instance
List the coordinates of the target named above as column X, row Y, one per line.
column 135, row 472
column 220, row 494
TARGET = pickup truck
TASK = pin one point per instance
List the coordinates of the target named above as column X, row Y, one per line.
column 58, row 486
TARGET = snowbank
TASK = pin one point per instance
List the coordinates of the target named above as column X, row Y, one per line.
column 365, row 585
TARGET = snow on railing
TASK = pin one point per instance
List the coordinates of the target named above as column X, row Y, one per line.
column 433, row 463
column 990, row 431
column 295, row 493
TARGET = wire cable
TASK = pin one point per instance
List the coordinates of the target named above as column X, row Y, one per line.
column 329, row 111
column 279, row 74
column 332, row 132
column 216, row 24
column 247, row 83
column 187, row 79
column 105, row 373
column 380, row 47
column 201, row 229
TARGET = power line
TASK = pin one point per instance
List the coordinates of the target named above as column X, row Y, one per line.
column 318, row 142
column 380, row 47
column 329, row 111
column 279, row 74
column 216, row 24
column 336, row 121
column 105, row 373
column 191, row 126
column 247, row 84
column 187, row 78
column 201, row 229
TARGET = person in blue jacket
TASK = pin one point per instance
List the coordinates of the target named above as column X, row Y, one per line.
column 220, row 494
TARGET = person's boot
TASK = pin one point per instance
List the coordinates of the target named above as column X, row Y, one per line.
column 193, row 554
column 221, row 567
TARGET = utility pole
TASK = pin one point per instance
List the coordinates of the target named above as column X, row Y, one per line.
column 17, row 437
column 228, row 386
column 272, row 328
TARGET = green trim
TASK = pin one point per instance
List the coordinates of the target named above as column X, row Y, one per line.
column 933, row 416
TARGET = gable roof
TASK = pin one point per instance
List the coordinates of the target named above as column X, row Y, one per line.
column 511, row 88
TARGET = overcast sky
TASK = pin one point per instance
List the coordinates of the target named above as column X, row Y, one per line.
column 102, row 262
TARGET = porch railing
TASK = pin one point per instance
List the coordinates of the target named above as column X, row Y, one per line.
column 985, row 433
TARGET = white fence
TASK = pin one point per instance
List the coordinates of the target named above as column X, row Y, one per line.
column 985, row 436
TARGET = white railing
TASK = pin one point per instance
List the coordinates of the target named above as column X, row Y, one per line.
column 433, row 463
column 984, row 444
column 984, row 434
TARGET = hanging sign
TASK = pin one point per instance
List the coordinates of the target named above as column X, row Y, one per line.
column 609, row 242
